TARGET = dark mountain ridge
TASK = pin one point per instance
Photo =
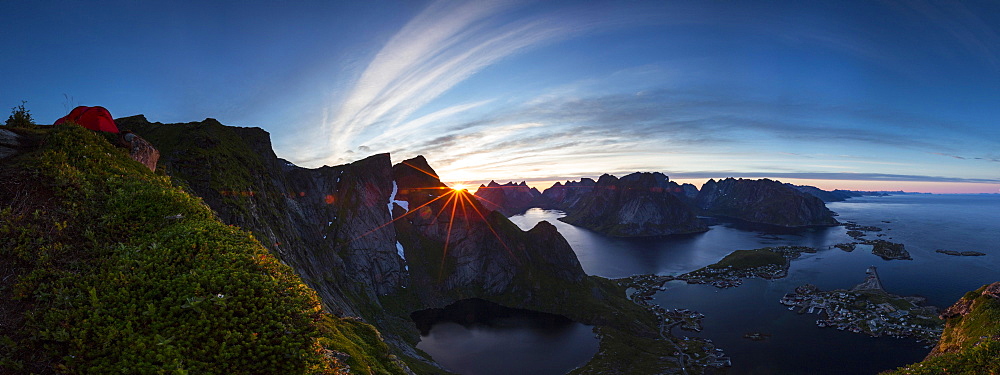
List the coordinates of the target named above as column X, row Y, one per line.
column 510, row 198
column 562, row 196
column 639, row 204
column 763, row 201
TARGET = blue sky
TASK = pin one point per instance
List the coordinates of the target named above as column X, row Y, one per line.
column 847, row 94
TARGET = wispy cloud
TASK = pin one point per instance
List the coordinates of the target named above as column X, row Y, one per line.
column 845, row 176
column 442, row 46
column 674, row 131
column 963, row 25
column 672, row 115
column 990, row 159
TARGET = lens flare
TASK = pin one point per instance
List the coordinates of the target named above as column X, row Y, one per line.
column 456, row 195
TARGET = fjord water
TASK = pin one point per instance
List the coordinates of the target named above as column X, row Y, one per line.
column 923, row 223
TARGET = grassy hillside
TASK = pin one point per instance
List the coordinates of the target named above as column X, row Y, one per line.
column 746, row 259
column 109, row 268
column 970, row 343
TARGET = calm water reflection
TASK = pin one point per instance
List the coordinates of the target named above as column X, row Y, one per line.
column 476, row 337
column 620, row 257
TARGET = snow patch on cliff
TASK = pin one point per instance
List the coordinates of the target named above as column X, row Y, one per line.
column 399, row 251
column 392, row 199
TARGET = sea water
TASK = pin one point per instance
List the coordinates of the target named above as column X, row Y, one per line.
column 923, row 223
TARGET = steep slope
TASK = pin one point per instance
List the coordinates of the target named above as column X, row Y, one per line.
column 379, row 241
column 319, row 221
column 639, row 204
column 109, row 268
column 763, row 201
column 510, row 198
column 970, row 343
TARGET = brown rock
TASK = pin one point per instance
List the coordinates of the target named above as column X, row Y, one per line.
column 960, row 308
column 141, row 150
column 992, row 290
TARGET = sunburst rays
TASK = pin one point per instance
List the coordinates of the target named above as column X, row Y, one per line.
column 457, row 205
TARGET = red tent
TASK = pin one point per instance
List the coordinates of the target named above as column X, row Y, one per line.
column 93, row 118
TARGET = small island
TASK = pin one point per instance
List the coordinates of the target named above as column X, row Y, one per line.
column 889, row 250
column 886, row 249
column 766, row 263
column 848, row 247
column 868, row 308
column 961, row 253
column 756, row 336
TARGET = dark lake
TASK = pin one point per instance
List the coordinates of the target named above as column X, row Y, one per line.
column 477, row 337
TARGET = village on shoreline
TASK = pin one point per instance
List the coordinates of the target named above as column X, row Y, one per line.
column 868, row 308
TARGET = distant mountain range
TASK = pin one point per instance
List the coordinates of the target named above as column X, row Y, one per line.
column 650, row 204
column 639, row 204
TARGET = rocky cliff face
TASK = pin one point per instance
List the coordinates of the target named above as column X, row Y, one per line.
column 762, row 201
column 313, row 219
column 510, row 198
column 639, row 204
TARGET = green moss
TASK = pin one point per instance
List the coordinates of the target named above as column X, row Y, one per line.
column 746, row 259
column 365, row 351
column 980, row 359
column 879, row 297
column 970, row 344
column 623, row 352
column 122, row 272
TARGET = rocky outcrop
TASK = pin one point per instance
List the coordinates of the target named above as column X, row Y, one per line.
column 510, row 198
column 763, row 201
column 992, row 290
column 10, row 143
column 960, row 308
column 639, row 204
column 13, row 143
column 141, row 150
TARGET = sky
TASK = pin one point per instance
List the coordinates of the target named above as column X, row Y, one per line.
column 865, row 95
